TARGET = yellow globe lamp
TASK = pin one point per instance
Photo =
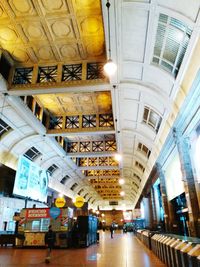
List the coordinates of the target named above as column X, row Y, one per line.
column 60, row 202
column 79, row 202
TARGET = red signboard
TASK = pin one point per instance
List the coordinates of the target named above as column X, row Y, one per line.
column 37, row 213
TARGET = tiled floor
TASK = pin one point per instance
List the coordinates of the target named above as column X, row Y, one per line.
column 124, row 250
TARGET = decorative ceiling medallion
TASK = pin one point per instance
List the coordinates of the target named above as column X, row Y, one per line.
column 45, row 53
column 20, row 55
column 35, row 31
column 22, row 6
column 65, row 100
column 91, row 25
column 52, row 5
column 68, row 51
column 95, row 49
column 61, row 28
column 89, row 3
column 7, row 34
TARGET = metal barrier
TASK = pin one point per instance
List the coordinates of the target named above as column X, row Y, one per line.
column 173, row 250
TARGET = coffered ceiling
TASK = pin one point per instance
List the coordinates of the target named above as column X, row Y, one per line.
column 44, row 31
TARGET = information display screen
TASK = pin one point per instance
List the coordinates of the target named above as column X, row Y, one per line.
column 30, row 180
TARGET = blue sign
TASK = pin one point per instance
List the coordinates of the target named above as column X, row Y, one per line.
column 54, row 212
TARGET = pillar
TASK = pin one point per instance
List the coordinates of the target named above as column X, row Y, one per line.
column 167, row 213
column 183, row 147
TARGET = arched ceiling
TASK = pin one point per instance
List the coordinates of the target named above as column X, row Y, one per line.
column 91, row 117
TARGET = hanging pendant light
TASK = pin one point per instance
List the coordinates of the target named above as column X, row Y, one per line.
column 110, row 67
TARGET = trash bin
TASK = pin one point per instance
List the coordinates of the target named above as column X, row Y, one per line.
column 192, row 256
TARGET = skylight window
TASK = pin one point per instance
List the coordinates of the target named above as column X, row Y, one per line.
column 4, row 127
column 139, row 166
column 74, row 186
column 32, row 153
column 65, row 179
column 52, row 169
column 144, row 149
column 172, row 39
column 151, row 118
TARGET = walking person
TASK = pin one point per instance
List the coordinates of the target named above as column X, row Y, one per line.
column 111, row 230
column 50, row 239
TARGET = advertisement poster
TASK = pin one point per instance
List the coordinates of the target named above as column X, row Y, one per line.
column 30, row 180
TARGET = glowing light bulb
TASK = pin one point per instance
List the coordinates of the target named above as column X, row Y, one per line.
column 121, row 181
column 110, row 67
column 122, row 193
column 118, row 157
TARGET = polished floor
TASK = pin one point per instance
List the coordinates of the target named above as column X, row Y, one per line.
column 124, row 250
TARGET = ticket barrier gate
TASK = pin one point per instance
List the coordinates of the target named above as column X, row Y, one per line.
column 193, row 256
column 171, row 260
column 175, row 250
column 198, row 261
column 184, row 254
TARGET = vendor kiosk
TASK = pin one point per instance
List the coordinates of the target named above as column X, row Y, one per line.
column 34, row 223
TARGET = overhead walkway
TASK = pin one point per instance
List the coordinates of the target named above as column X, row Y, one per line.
column 124, row 250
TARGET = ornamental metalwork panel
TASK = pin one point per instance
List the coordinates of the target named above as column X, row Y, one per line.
column 97, row 146
column 92, row 162
column 106, row 120
column 110, row 145
column 102, row 173
column 103, row 161
column 85, row 146
column 95, row 71
column 72, row 122
column 113, row 161
column 55, row 123
column 72, row 147
column 23, row 76
column 83, row 162
column 72, row 72
column 47, row 74
column 89, row 121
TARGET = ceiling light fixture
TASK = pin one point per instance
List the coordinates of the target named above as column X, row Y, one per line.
column 122, row 193
column 110, row 67
column 118, row 157
column 121, row 181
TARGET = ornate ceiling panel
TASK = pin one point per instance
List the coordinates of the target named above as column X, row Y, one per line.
column 75, row 104
column 43, row 31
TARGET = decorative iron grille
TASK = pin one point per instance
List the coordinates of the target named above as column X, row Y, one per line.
column 47, row 74
column 23, row 76
column 72, row 72
column 97, row 146
column 103, row 161
column 89, row 121
column 85, row 146
column 83, row 162
column 92, row 162
column 72, row 122
column 110, row 145
column 95, row 71
column 72, row 147
column 55, row 123
column 106, row 120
